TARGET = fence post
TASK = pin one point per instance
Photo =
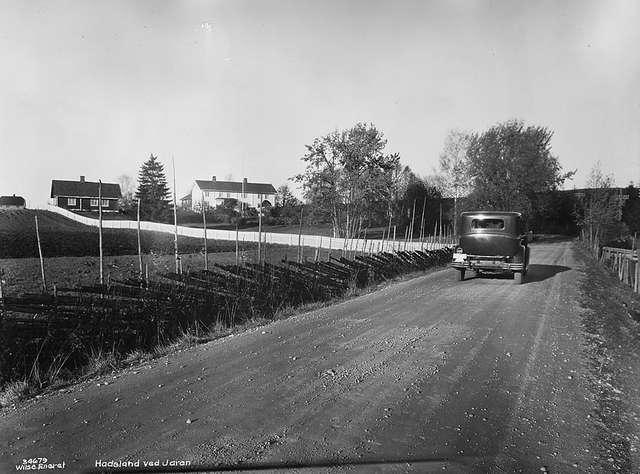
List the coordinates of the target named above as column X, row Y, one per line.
column 1, row 289
column 300, row 236
column 175, row 218
column 620, row 267
column 139, row 243
column 44, row 280
column 260, row 230
column 204, row 226
column 100, row 230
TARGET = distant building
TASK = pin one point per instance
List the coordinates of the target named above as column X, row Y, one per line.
column 214, row 192
column 185, row 202
column 12, row 202
column 83, row 195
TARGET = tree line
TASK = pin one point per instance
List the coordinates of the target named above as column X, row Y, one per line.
column 352, row 183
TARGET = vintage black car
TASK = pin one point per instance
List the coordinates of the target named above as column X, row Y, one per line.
column 492, row 242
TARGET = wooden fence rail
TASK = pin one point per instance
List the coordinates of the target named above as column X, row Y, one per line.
column 625, row 263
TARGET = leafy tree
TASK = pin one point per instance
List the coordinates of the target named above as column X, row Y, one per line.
column 555, row 213
column 418, row 191
column 399, row 181
column 287, row 207
column 455, row 180
column 153, row 191
column 511, row 165
column 631, row 209
column 230, row 203
column 347, row 177
column 285, row 198
column 599, row 217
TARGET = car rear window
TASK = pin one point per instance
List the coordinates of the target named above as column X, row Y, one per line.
column 487, row 224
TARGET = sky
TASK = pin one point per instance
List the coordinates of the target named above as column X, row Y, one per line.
column 237, row 88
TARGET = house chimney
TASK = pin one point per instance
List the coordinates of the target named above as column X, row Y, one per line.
column 82, row 179
column 213, row 178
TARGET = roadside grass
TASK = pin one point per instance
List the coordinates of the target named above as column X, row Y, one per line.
column 101, row 362
column 611, row 323
column 15, row 392
column 105, row 362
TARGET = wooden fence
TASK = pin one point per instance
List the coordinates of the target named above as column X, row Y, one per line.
column 315, row 241
column 623, row 262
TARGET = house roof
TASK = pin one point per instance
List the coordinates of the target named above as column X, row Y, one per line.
column 84, row 189
column 235, row 187
column 12, row 200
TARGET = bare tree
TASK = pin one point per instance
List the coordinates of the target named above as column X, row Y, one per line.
column 128, row 189
column 454, row 180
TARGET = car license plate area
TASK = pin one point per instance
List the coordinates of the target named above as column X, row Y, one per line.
column 459, row 257
column 488, row 264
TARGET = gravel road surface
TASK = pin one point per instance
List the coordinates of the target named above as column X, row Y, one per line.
column 422, row 375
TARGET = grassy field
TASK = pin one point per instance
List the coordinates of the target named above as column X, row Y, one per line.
column 62, row 237
column 71, row 251
column 62, row 335
column 22, row 275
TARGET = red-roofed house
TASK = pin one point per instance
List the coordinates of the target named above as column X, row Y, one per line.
column 83, row 195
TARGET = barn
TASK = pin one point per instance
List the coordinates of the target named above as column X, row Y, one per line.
column 83, row 195
column 12, row 202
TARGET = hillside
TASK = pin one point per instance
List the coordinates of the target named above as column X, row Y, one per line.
column 62, row 237
column 23, row 221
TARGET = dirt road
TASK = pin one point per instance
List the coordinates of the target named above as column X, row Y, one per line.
column 422, row 375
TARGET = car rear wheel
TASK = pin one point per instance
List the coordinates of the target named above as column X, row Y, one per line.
column 518, row 278
column 460, row 275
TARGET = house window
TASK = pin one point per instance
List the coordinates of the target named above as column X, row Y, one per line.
column 94, row 202
column 71, row 201
column 105, row 203
column 228, row 195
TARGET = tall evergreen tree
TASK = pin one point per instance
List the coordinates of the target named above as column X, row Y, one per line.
column 153, row 191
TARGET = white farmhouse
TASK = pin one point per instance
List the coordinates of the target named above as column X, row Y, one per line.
column 214, row 192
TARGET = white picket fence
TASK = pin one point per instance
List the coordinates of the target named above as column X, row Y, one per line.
column 315, row 241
